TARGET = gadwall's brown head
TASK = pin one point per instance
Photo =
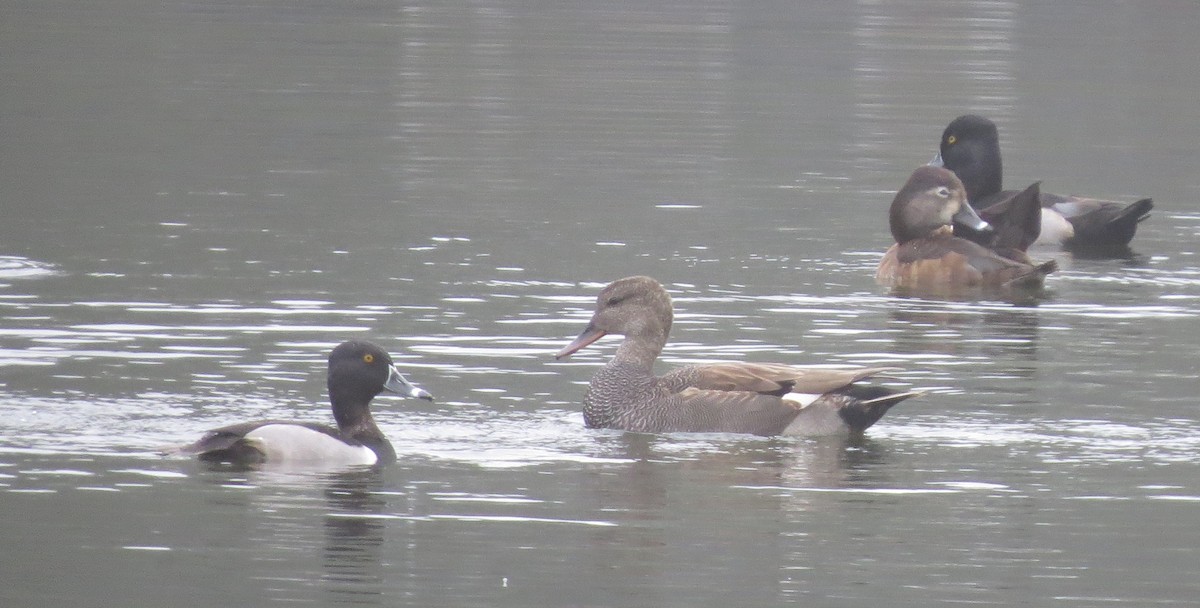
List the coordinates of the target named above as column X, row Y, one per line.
column 633, row 307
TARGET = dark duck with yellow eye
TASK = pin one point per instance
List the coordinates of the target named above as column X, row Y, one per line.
column 927, row 255
column 970, row 147
column 358, row 371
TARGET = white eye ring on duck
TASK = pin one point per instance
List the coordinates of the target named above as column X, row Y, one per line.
column 943, row 192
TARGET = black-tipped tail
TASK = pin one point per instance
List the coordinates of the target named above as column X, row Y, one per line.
column 867, row 404
column 1110, row 226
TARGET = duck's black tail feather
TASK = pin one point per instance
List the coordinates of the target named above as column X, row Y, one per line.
column 1131, row 216
column 868, row 403
column 1116, row 225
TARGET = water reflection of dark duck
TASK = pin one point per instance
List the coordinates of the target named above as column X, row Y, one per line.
column 829, row 462
column 1001, row 343
column 999, row 333
column 354, row 535
column 970, row 147
column 757, row 398
column 927, row 255
column 777, row 462
column 358, row 371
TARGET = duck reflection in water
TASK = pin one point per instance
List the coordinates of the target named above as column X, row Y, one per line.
column 354, row 537
column 999, row 341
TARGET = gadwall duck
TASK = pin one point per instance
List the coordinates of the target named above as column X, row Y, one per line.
column 756, row 398
column 970, row 147
column 358, row 371
column 927, row 255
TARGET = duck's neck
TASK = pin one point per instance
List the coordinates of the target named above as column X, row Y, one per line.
column 985, row 178
column 356, row 423
column 351, row 410
column 352, row 417
column 641, row 349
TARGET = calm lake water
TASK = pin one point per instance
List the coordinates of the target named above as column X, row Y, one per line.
column 201, row 198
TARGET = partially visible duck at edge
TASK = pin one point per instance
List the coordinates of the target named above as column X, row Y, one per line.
column 927, row 255
column 970, row 147
column 358, row 371
column 756, row 398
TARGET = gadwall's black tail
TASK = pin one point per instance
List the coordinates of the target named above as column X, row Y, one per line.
column 868, row 404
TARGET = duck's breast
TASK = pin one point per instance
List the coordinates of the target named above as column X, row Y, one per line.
column 926, row 264
column 1055, row 227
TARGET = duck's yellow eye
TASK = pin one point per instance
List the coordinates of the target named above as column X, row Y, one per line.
column 950, row 140
column 368, row 358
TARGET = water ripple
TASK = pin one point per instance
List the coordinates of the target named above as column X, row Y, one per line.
column 13, row 267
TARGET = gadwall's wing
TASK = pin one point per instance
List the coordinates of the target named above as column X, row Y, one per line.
column 774, row 399
column 766, row 378
column 848, row 409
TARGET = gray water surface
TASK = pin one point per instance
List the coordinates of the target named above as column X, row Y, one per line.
column 200, row 199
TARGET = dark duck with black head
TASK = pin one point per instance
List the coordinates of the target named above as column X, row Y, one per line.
column 756, row 398
column 927, row 255
column 970, row 147
column 358, row 372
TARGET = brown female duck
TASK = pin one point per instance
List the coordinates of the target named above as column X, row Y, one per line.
column 757, row 398
column 927, row 255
